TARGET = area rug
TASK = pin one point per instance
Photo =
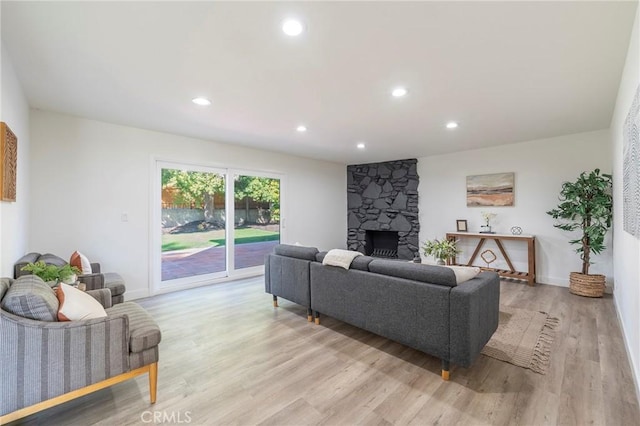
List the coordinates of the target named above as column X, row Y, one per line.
column 523, row 338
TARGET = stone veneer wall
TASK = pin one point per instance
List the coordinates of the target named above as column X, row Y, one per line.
column 384, row 197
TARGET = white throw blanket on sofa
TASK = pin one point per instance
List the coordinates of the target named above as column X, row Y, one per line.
column 341, row 258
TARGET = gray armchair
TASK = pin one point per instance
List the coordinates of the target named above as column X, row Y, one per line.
column 93, row 281
column 46, row 362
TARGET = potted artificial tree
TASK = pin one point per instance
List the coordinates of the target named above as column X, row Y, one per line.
column 441, row 250
column 586, row 205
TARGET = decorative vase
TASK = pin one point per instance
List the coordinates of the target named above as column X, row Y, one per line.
column 587, row 285
column 485, row 229
column 440, row 262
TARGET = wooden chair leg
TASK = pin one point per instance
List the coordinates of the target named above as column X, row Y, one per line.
column 275, row 301
column 153, row 382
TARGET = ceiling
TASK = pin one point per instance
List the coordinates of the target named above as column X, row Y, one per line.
column 505, row 71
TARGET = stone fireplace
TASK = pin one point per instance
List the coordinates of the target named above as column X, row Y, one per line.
column 382, row 209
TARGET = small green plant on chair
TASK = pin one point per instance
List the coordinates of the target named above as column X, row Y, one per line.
column 53, row 273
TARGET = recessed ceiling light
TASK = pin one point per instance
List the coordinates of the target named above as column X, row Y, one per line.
column 360, row 145
column 292, row 27
column 452, row 125
column 201, row 101
column 301, row 128
column 399, row 92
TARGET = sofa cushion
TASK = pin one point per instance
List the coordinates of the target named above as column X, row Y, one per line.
column 320, row 256
column 361, row 263
column 52, row 259
column 414, row 271
column 30, row 297
column 299, row 252
column 143, row 330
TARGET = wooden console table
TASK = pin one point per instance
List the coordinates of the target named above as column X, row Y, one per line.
column 529, row 276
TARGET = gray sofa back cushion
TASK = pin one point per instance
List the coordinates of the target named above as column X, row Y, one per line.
column 48, row 258
column 320, row 256
column 30, row 297
column 52, row 259
column 414, row 271
column 299, row 252
column 361, row 263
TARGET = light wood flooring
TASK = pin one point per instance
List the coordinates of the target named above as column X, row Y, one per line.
column 228, row 357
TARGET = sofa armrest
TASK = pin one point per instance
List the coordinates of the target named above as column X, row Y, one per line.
column 93, row 281
column 289, row 278
column 59, row 357
column 474, row 310
column 102, row 295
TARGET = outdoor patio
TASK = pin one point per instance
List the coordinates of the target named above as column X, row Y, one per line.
column 186, row 263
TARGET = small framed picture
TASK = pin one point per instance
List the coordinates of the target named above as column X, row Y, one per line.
column 461, row 225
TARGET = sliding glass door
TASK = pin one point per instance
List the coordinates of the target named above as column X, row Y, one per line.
column 212, row 223
column 193, row 222
column 257, row 225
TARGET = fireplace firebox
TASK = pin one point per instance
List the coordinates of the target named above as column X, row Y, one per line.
column 381, row 244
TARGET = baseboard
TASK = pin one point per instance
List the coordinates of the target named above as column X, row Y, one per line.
column 559, row 282
column 136, row 294
column 210, row 281
column 564, row 282
column 635, row 373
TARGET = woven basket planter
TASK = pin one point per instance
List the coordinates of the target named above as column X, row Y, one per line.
column 586, row 285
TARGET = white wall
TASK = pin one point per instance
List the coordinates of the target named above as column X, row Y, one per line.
column 86, row 173
column 540, row 168
column 14, row 215
column 626, row 247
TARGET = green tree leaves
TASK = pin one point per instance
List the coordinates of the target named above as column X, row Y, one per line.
column 193, row 188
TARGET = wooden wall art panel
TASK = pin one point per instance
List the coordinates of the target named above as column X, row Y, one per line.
column 8, row 163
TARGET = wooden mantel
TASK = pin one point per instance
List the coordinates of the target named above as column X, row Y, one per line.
column 529, row 275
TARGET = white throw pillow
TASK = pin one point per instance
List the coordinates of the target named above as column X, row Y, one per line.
column 77, row 305
column 81, row 262
column 464, row 273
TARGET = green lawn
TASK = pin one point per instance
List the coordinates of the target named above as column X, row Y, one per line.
column 215, row 238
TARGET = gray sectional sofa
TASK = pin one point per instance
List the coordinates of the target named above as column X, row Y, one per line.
column 418, row 305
